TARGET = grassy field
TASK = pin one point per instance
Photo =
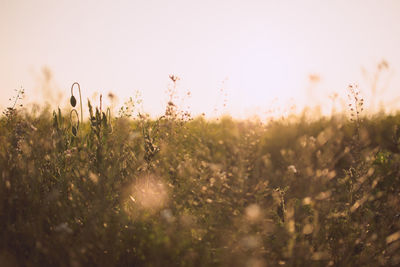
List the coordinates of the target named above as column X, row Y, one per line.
column 175, row 191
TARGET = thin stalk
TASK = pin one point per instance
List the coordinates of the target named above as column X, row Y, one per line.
column 80, row 97
column 77, row 116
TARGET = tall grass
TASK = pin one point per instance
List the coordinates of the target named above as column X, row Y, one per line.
column 182, row 191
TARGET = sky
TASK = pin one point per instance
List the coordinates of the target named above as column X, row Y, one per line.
column 237, row 57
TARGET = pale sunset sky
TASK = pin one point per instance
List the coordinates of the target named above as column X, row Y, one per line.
column 261, row 53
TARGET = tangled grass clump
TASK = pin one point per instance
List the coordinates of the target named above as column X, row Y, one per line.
column 180, row 191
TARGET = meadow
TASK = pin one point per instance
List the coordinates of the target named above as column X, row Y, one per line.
column 130, row 190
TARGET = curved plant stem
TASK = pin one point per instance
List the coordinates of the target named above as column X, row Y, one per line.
column 80, row 97
column 77, row 116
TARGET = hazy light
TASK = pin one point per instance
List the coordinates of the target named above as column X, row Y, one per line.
column 253, row 212
column 149, row 193
column 258, row 51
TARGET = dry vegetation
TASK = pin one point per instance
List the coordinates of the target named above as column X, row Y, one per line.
column 174, row 191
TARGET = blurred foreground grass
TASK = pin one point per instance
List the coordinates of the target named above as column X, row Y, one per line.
column 193, row 192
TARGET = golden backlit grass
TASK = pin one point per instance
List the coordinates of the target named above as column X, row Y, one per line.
column 175, row 191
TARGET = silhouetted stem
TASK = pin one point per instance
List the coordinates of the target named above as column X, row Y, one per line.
column 80, row 97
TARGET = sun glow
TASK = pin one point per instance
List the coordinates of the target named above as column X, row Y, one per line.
column 258, row 53
column 265, row 74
